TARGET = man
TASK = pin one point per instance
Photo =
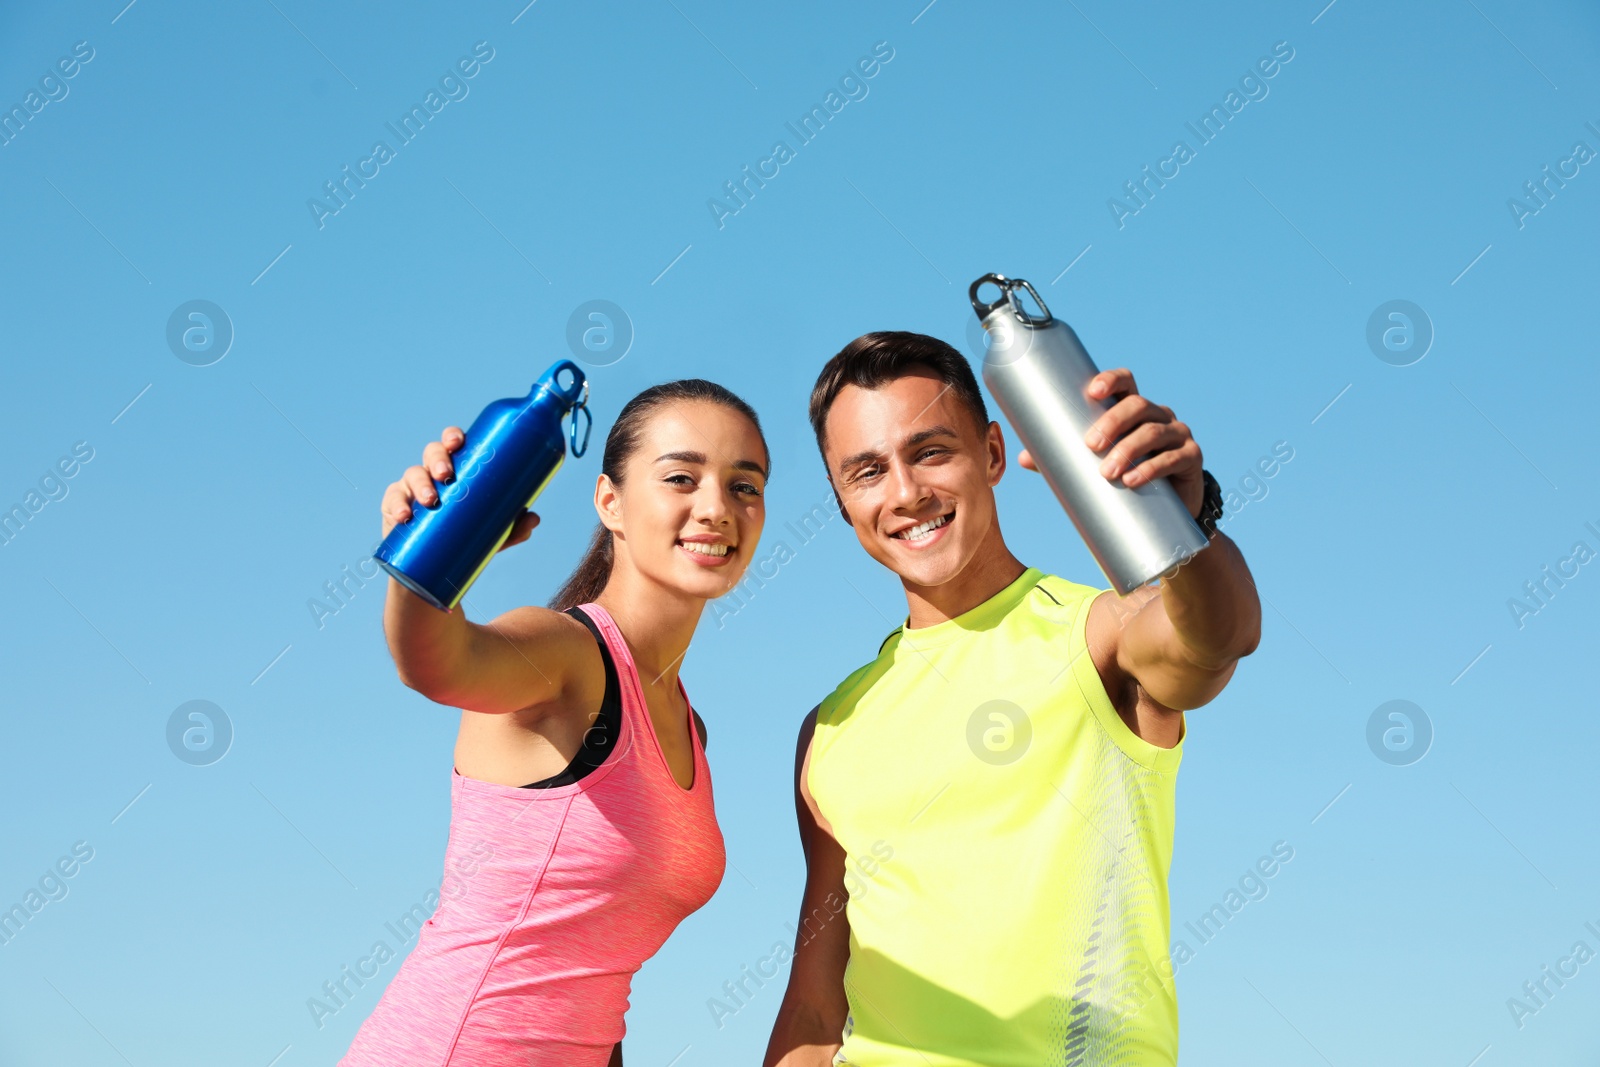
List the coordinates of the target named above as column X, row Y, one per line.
column 987, row 807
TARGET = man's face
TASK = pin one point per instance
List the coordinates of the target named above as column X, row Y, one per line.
column 915, row 475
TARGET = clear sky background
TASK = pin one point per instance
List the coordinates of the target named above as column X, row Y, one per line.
column 179, row 561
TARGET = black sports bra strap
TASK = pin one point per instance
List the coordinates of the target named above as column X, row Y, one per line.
column 601, row 738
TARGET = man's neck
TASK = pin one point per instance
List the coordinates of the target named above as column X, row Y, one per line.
column 989, row 571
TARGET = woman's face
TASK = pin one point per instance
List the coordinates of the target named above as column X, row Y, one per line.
column 690, row 509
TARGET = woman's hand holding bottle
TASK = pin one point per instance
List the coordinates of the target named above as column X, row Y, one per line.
column 416, row 487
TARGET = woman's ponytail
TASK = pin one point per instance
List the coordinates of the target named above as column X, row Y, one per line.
column 589, row 580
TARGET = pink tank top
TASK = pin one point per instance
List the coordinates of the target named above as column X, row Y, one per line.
column 529, row 959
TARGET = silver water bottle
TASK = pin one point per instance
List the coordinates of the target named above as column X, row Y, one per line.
column 1037, row 369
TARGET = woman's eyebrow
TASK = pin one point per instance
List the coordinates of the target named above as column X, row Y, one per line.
column 700, row 458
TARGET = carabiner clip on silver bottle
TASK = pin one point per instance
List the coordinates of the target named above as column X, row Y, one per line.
column 1008, row 295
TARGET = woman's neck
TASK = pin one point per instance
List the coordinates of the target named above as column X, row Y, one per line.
column 657, row 624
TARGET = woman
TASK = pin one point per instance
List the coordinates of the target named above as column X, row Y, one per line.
column 582, row 829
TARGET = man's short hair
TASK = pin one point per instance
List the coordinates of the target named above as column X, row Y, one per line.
column 876, row 359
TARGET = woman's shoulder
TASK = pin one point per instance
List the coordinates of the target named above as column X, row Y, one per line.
column 552, row 646
column 557, row 633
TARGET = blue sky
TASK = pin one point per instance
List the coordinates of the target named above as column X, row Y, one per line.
column 176, row 562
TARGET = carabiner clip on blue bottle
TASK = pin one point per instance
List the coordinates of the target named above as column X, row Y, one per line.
column 588, row 422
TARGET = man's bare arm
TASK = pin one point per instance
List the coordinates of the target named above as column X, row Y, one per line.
column 810, row 1022
column 1182, row 641
column 1162, row 651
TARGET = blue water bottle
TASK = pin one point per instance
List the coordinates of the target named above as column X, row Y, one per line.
column 512, row 450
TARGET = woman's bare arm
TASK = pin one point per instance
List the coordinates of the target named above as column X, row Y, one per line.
column 525, row 657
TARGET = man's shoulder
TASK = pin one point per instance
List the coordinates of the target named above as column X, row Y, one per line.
column 857, row 681
column 1058, row 598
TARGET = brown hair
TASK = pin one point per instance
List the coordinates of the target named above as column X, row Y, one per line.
column 589, row 579
column 875, row 359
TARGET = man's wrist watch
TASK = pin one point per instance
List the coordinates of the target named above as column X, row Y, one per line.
column 1210, row 505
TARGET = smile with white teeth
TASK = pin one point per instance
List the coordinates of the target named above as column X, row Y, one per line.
column 704, row 549
column 917, row 533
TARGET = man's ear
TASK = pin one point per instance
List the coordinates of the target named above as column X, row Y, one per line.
column 995, row 445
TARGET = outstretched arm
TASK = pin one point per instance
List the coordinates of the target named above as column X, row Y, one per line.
column 522, row 658
column 1184, row 640
column 810, row 1022
column 1166, row 649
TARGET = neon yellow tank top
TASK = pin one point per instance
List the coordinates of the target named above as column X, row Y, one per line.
column 1008, row 841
